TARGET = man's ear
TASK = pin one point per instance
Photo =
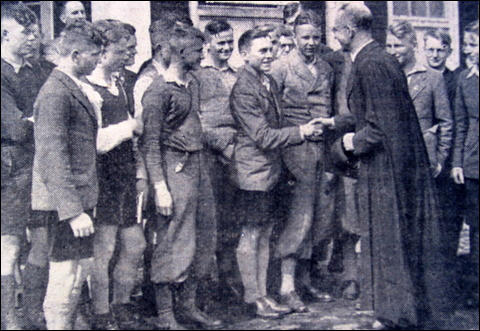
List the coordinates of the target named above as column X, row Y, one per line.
column 244, row 53
column 63, row 19
column 75, row 55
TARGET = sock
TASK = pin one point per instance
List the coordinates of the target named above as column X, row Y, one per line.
column 163, row 298
column 8, row 302
column 288, row 272
column 36, row 280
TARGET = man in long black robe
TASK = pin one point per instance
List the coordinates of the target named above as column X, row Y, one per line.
column 401, row 267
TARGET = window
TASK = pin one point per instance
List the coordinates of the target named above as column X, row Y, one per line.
column 424, row 15
column 435, row 9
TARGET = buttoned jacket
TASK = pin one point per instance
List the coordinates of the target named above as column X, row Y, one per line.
column 64, row 168
column 429, row 95
column 260, row 136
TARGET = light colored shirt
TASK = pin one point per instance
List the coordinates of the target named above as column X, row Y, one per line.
column 142, row 84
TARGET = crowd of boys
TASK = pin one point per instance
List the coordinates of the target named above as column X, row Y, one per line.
column 231, row 168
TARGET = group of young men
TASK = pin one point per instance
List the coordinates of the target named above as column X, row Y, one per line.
column 217, row 159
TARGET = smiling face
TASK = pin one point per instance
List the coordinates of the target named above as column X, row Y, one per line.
column 470, row 47
column 131, row 50
column 436, row 53
column 260, row 54
column 401, row 49
column 308, row 38
column 221, row 46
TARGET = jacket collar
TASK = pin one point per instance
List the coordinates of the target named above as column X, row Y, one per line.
column 69, row 83
column 300, row 67
column 369, row 47
column 255, row 79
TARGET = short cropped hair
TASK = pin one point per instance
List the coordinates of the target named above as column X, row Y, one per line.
column 308, row 17
column 217, row 26
column 19, row 12
column 283, row 31
column 404, row 30
column 78, row 37
column 111, row 31
column 245, row 40
column 472, row 27
column 438, row 34
column 182, row 37
column 290, row 10
column 359, row 15
column 160, row 30
column 268, row 28
column 129, row 28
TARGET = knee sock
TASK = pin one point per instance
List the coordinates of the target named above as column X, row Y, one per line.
column 8, row 302
column 36, row 280
column 288, row 273
column 163, row 298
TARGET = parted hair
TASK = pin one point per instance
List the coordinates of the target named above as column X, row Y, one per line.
column 403, row 30
column 19, row 12
column 308, row 17
column 245, row 40
column 472, row 27
column 183, row 37
column 78, row 38
column 440, row 35
column 217, row 26
column 111, row 31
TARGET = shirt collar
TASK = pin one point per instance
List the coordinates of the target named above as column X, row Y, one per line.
column 96, row 78
column 16, row 67
column 473, row 71
column 228, row 68
column 355, row 53
column 417, row 68
column 158, row 67
column 169, row 77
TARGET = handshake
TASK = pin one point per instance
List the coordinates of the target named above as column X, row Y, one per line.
column 314, row 129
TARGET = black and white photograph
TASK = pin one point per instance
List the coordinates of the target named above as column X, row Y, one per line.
column 239, row 165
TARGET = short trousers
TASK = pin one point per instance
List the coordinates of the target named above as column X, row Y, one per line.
column 255, row 207
column 40, row 219
column 16, row 201
column 64, row 245
column 117, row 199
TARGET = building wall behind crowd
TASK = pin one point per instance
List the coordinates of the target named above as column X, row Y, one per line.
column 451, row 16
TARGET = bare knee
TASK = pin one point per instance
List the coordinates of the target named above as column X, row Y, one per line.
column 9, row 254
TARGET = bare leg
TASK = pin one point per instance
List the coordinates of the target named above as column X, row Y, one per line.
column 247, row 257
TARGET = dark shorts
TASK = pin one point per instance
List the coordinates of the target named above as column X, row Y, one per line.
column 255, row 207
column 117, row 200
column 40, row 219
column 15, row 200
column 64, row 246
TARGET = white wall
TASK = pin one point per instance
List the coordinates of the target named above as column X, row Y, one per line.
column 136, row 13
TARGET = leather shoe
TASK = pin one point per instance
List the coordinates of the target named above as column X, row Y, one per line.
column 196, row 315
column 317, row 295
column 104, row 322
column 264, row 310
column 166, row 321
column 282, row 309
column 126, row 317
column 294, row 302
column 350, row 290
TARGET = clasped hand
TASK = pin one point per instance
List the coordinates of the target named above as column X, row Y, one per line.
column 314, row 128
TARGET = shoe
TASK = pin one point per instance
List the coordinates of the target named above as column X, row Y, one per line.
column 264, row 310
column 194, row 314
column 104, row 322
column 350, row 290
column 317, row 295
column 126, row 317
column 282, row 309
column 294, row 302
column 166, row 321
column 35, row 321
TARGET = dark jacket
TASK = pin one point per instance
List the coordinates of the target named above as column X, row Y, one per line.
column 399, row 212
column 258, row 117
column 429, row 95
column 465, row 153
column 64, row 174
